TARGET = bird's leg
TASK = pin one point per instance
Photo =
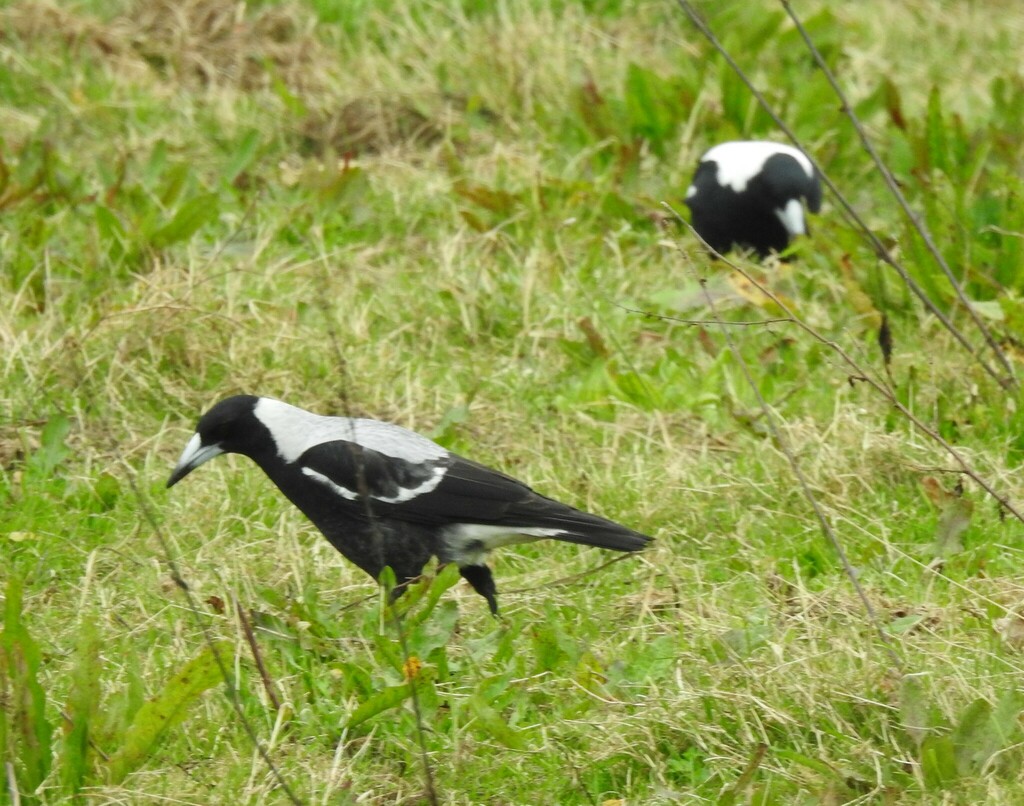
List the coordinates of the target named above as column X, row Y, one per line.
column 479, row 576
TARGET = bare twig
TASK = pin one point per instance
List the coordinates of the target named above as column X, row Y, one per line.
column 230, row 690
column 378, row 538
column 881, row 252
column 748, row 772
column 894, row 188
column 574, row 577
column 771, row 420
column 703, row 322
column 254, row 647
column 193, row 609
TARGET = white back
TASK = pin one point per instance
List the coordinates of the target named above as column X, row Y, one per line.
column 296, row 430
column 739, row 161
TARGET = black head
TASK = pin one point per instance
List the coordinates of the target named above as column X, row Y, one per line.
column 229, row 427
column 783, row 179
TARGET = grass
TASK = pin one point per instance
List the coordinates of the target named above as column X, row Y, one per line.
column 467, row 196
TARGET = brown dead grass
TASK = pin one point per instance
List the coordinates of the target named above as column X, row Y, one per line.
column 214, row 42
column 193, row 42
column 369, row 124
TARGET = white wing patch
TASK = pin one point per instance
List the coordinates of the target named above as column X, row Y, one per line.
column 404, row 494
column 741, row 160
column 296, row 430
column 470, row 543
column 344, row 492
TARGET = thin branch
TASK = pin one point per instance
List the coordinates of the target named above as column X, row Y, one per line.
column 881, row 252
column 703, row 322
column 378, row 538
column 193, row 609
column 149, row 517
column 863, row 375
column 254, row 647
column 569, row 580
column 894, row 189
column 771, row 419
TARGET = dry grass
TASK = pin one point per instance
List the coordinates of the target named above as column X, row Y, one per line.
column 200, row 43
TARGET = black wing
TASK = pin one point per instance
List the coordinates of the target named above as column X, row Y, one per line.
column 452, row 490
column 473, row 493
column 356, row 470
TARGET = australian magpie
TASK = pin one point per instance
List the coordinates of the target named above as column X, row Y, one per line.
column 750, row 194
column 387, row 496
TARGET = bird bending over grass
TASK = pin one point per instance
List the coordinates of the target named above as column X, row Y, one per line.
column 750, row 194
column 386, row 496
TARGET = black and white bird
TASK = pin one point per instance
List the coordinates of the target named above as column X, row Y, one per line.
column 387, row 496
column 751, row 194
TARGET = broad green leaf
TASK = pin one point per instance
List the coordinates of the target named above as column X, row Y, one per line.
column 190, row 217
column 429, row 634
column 387, row 579
column 635, row 388
column 488, row 720
column 174, row 183
column 111, row 230
column 983, row 731
column 904, row 624
column 242, row 156
column 166, row 709
column 738, row 644
column 429, row 591
column 989, row 309
column 383, row 700
column 547, row 650
column 914, row 710
column 52, row 448
column 107, row 489
column 955, row 513
column 953, row 522
column 938, row 762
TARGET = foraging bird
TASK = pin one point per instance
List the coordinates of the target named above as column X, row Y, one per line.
column 386, row 496
column 750, row 194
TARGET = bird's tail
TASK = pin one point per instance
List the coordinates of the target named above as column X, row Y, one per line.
column 577, row 526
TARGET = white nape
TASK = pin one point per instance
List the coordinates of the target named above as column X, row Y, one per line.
column 296, row 430
column 740, row 161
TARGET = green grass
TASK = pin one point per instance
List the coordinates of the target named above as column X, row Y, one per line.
column 468, row 197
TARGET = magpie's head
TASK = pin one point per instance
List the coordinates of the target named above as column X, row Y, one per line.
column 786, row 184
column 229, row 427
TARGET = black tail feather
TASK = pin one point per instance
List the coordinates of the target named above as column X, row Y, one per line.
column 583, row 527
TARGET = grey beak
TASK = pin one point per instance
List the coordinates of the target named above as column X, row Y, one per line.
column 195, row 454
